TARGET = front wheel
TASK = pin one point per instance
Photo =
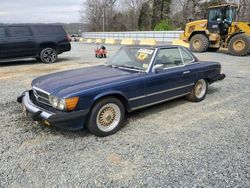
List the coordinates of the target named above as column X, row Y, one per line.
column 48, row 55
column 199, row 91
column 106, row 117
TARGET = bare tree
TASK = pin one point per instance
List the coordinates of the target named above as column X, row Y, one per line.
column 91, row 14
column 244, row 10
column 131, row 12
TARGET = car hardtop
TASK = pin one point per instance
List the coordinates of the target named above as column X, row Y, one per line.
column 159, row 47
column 162, row 46
column 154, row 46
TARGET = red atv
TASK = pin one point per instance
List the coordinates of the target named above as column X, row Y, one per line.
column 101, row 52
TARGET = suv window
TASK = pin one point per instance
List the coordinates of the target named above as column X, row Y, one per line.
column 170, row 57
column 48, row 30
column 2, row 33
column 187, row 58
column 19, row 31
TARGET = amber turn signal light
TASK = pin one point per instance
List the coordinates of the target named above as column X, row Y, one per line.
column 71, row 103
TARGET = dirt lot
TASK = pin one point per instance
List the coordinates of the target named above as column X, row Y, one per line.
column 175, row 144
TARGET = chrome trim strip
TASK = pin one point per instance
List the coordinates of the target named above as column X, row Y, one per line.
column 190, row 62
column 48, row 103
column 152, row 60
column 159, row 92
column 41, row 97
column 181, row 56
column 136, row 98
column 125, row 68
column 161, row 101
column 38, row 97
column 36, row 88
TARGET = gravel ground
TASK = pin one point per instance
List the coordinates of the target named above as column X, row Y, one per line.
column 175, row 144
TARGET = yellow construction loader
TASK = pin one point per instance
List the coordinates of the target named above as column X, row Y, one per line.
column 220, row 29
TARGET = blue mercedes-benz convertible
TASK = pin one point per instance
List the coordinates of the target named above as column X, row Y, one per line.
column 135, row 77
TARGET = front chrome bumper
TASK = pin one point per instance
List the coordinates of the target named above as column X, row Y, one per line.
column 74, row 120
column 33, row 109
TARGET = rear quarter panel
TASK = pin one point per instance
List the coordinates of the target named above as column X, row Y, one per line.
column 204, row 70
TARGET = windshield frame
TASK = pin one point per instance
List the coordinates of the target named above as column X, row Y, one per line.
column 134, row 69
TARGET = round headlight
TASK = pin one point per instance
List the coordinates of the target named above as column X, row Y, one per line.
column 61, row 105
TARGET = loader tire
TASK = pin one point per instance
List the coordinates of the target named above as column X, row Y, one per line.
column 239, row 45
column 199, row 43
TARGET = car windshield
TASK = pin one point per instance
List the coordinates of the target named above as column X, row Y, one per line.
column 137, row 58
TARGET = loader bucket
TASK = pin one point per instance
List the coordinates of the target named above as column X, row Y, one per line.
column 180, row 43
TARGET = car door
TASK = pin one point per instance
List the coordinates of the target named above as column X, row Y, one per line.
column 172, row 81
column 21, row 42
column 3, row 43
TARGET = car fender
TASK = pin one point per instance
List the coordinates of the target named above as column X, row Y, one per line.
column 115, row 93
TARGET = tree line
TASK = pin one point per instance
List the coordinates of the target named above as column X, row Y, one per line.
column 145, row 15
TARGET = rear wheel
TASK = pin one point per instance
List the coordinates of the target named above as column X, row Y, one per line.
column 199, row 91
column 48, row 55
column 106, row 117
column 199, row 43
column 239, row 45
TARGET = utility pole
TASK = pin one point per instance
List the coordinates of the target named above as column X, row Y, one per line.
column 103, row 18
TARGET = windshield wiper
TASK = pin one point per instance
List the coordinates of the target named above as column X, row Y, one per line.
column 130, row 67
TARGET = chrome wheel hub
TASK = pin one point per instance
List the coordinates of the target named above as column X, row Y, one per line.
column 200, row 89
column 108, row 117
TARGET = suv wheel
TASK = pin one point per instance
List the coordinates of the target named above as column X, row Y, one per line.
column 48, row 55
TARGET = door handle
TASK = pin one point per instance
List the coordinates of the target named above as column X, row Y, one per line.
column 186, row 72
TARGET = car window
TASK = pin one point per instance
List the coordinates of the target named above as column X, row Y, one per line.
column 187, row 58
column 132, row 57
column 2, row 33
column 170, row 57
column 19, row 31
column 48, row 30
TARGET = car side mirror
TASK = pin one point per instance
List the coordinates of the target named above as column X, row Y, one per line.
column 158, row 68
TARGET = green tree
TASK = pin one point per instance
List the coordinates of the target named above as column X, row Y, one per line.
column 164, row 25
column 161, row 11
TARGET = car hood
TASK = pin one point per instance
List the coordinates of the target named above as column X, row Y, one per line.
column 65, row 83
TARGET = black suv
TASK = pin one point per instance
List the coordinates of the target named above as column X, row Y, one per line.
column 43, row 42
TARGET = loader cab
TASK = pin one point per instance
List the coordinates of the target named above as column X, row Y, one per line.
column 220, row 18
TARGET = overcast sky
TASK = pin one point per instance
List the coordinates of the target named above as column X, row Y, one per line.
column 42, row 11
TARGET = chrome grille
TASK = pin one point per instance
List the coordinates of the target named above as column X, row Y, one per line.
column 41, row 96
